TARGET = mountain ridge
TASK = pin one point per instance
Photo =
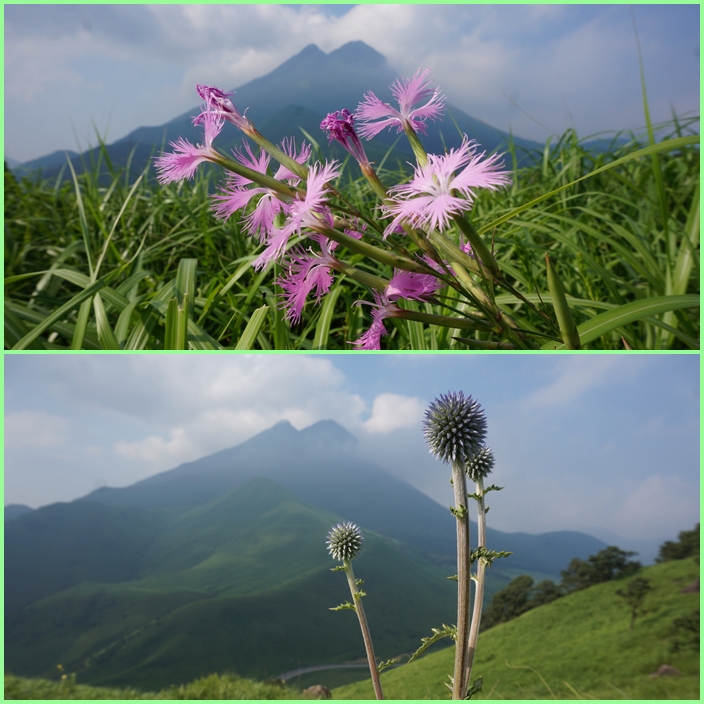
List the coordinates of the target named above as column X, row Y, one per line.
column 316, row 81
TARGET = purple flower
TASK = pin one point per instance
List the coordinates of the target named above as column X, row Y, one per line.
column 186, row 158
column 309, row 211
column 237, row 192
column 408, row 91
column 403, row 284
column 218, row 102
column 371, row 340
column 411, row 285
column 429, row 199
column 339, row 126
column 305, row 274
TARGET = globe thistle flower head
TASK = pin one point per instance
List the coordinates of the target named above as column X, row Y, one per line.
column 480, row 465
column 345, row 541
column 454, row 427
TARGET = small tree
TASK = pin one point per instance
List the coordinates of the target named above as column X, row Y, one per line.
column 609, row 563
column 634, row 594
column 687, row 546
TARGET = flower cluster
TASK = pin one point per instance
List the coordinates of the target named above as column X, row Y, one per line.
column 345, row 541
column 298, row 200
column 454, row 427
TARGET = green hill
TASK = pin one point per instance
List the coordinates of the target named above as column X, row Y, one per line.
column 579, row 647
column 240, row 584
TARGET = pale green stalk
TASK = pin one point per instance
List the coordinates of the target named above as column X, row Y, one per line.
column 479, row 591
column 366, row 635
column 459, row 484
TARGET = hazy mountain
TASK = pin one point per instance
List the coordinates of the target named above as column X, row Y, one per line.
column 301, row 91
column 14, row 510
column 320, row 465
column 150, row 597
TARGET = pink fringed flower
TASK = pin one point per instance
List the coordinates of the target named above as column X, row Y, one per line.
column 237, row 192
column 185, row 159
column 340, row 127
column 404, row 284
column 306, row 273
column 378, row 115
column 218, row 102
column 307, row 212
column 428, row 200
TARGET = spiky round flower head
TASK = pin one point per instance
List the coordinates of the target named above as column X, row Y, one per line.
column 454, row 427
column 345, row 541
column 480, row 465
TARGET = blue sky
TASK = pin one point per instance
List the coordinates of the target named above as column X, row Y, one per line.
column 534, row 69
column 607, row 444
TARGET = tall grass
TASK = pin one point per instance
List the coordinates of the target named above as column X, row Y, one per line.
column 95, row 263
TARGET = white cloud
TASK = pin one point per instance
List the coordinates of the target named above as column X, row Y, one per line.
column 577, row 375
column 657, row 504
column 32, row 429
column 392, row 411
column 157, row 451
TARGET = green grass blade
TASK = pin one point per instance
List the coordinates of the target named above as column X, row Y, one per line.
column 668, row 145
column 79, row 298
column 250, row 333
column 628, row 313
column 175, row 335
column 570, row 336
column 105, row 334
column 186, row 282
column 322, row 329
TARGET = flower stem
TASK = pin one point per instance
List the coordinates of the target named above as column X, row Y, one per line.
column 459, row 484
column 481, row 567
column 357, row 598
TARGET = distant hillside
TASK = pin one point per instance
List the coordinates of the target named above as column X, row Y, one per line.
column 14, row 510
column 320, row 466
column 301, row 91
column 150, row 597
column 579, row 647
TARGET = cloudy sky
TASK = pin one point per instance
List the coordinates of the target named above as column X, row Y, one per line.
column 606, row 444
column 534, row 69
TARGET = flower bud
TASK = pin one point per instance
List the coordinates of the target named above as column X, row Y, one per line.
column 454, row 427
column 345, row 541
column 480, row 465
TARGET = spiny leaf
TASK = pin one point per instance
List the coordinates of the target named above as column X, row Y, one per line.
column 438, row 634
column 487, row 555
column 460, row 512
column 387, row 663
column 343, row 607
column 339, row 568
column 475, row 688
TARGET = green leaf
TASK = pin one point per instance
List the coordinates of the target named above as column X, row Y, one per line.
column 628, row 313
column 105, row 334
column 475, row 688
column 175, row 335
column 667, row 145
column 570, row 336
column 250, row 333
column 185, row 283
column 386, row 663
column 438, row 634
column 59, row 313
column 344, row 607
column 322, row 329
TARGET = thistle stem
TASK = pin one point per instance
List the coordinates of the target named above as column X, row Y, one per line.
column 459, row 484
column 357, row 599
column 479, row 592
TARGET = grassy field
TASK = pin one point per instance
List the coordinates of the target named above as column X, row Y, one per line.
column 579, row 647
column 92, row 266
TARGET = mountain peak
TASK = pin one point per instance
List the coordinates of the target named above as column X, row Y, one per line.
column 358, row 53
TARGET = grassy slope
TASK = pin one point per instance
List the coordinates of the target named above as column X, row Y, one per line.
column 578, row 644
column 257, row 602
column 211, row 687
